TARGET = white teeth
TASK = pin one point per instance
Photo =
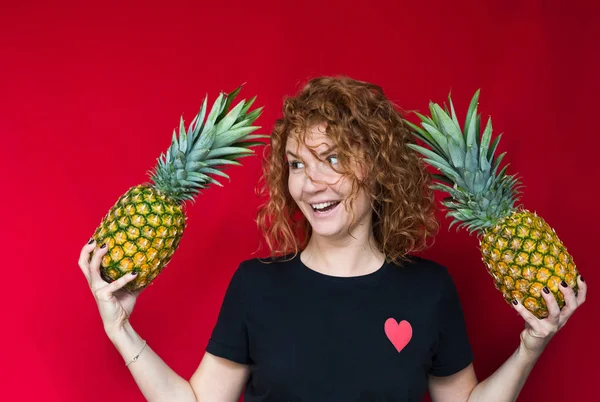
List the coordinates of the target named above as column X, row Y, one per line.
column 323, row 205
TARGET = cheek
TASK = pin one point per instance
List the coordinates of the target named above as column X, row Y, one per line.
column 362, row 202
column 294, row 187
column 365, row 202
column 344, row 187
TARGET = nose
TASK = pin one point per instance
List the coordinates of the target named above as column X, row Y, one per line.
column 315, row 178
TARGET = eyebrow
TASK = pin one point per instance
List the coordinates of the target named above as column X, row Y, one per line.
column 328, row 150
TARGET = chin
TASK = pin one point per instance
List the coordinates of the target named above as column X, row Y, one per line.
column 325, row 233
column 328, row 230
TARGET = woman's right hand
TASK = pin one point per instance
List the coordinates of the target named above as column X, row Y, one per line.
column 114, row 303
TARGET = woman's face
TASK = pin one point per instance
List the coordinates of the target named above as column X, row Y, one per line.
column 320, row 192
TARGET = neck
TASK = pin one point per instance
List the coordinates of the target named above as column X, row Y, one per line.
column 350, row 256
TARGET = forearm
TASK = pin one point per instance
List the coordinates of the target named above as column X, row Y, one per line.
column 157, row 381
column 505, row 384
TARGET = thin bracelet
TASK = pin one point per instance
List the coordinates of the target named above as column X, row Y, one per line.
column 136, row 356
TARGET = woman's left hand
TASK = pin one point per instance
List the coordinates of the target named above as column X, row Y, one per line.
column 538, row 332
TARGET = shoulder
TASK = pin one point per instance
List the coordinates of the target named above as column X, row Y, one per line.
column 422, row 266
column 259, row 270
column 425, row 272
column 256, row 277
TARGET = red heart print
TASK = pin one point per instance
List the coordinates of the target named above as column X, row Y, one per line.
column 398, row 333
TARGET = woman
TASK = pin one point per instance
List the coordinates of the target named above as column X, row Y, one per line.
column 341, row 311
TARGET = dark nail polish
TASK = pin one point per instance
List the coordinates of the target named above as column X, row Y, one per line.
column 563, row 284
column 581, row 277
column 546, row 290
column 91, row 240
column 515, row 302
column 134, row 272
column 103, row 246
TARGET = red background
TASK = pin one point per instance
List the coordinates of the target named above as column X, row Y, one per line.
column 89, row 95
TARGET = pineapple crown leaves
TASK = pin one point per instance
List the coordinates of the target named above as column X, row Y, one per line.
column 479, row 193
column 209, row 144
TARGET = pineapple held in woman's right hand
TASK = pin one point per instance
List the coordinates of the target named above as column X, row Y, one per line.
column 142, row 230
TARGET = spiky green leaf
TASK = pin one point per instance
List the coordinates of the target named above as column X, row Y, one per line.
column 442, row 178
column 431, row 155
column 207, row 139
column 227, row 102
column 478, row 182
column 214, row 113
column 249, row 144
column 497, row 163
column 452, row 111
column 448, row 127
column 231, row 136
column 485, row 141
column 215, row 153
column 425, row 119
column 472, row 110
column 217, row 162
column 439, row 138
column 449, row 172
column 457, row 155
column 424, row 136
column 491, row 152
column 256, row 136
column 198, row 154
column 471, row 159
column 248, row 105
column 207, row 170
column 229, row 119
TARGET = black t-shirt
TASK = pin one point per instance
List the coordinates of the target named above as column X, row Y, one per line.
column 311, row 337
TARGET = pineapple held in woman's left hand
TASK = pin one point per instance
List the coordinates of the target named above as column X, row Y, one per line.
column 521, row 251
column 143, row 229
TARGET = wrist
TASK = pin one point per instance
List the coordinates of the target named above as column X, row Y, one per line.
column 525, row 354
column 124, row 331
column 127, row 342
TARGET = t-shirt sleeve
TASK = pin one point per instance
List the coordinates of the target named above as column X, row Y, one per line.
column 229, row 337
column 453, row 352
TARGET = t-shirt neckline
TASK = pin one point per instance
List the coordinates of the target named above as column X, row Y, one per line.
column 358, row 279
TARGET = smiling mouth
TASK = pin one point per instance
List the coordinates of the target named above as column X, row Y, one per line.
column 325, row 206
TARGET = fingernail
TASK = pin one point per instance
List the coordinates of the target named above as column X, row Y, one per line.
column 581, row 277
column 91, row 240
column 563, row 284
column 546, row 290
column 103, row 246
column 515, row 302
column 134, row 272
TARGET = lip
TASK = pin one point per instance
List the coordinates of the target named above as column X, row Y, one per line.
column 325, row 214
column 322, row 202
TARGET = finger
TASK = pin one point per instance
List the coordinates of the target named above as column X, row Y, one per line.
column 96, row 279
column 527, row 315
column 570, row 302
column 84, row 258
column 552, row 305
column 108, row 290
column 582, row 292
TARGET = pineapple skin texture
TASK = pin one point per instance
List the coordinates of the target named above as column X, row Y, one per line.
column 142, row 230
column 523, row 254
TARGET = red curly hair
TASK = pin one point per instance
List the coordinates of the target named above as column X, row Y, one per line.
column 369, row 131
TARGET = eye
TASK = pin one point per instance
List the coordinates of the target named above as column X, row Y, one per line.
column 333, row 159
column 294, row 165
